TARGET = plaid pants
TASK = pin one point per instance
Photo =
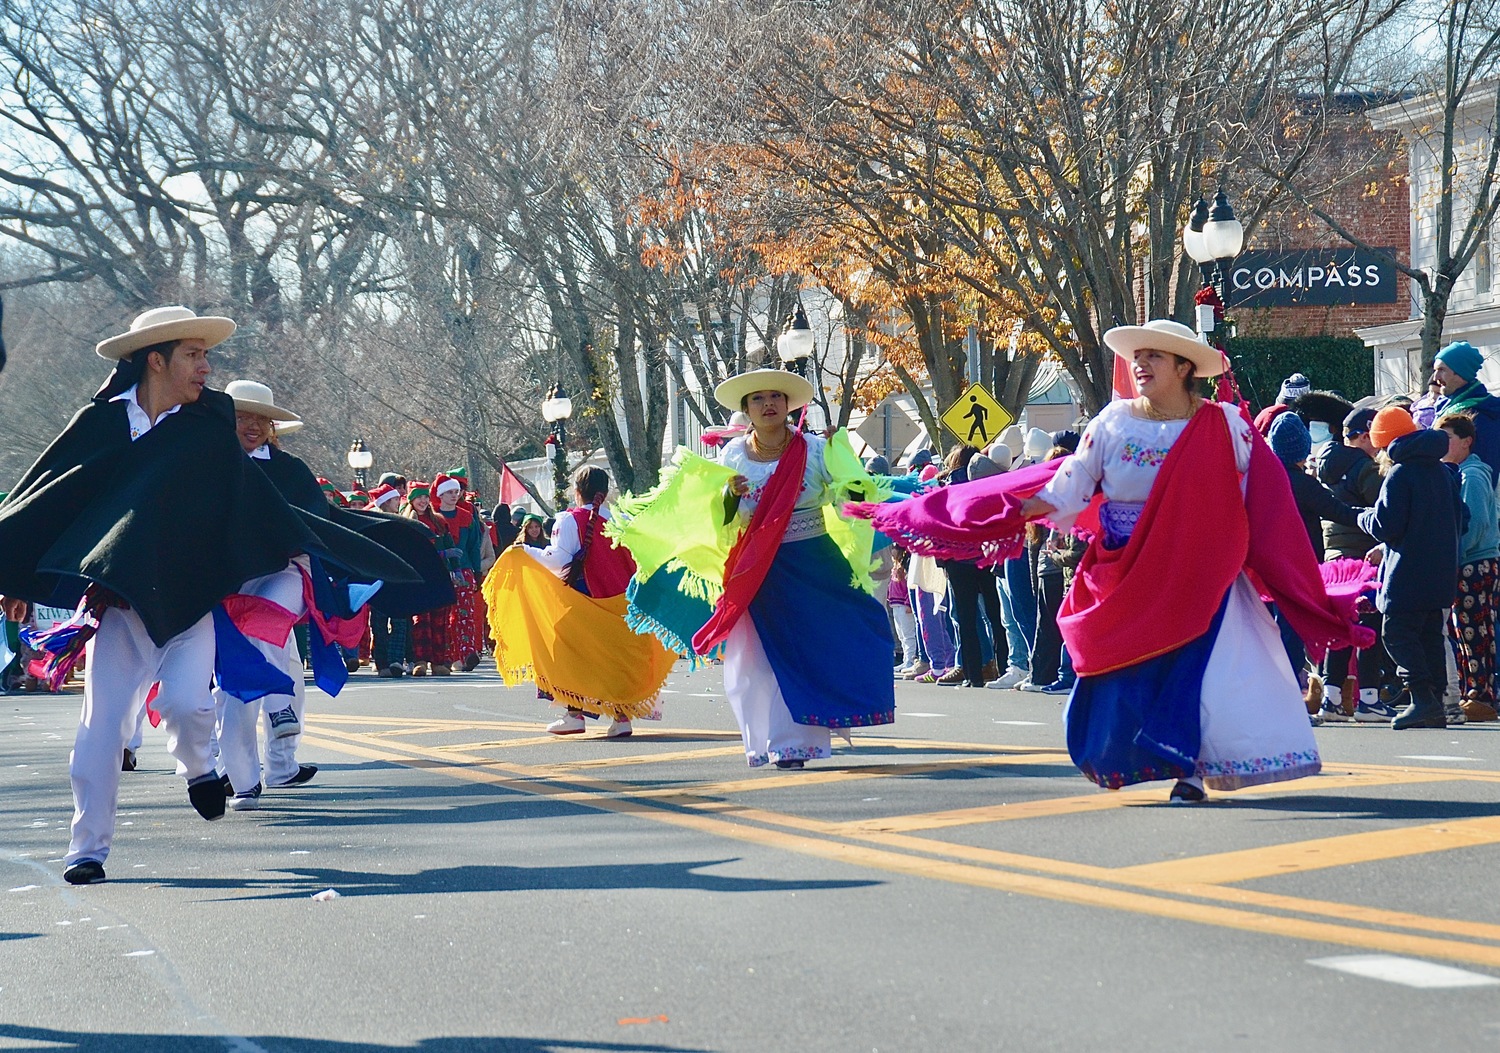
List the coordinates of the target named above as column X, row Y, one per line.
column 430, row 639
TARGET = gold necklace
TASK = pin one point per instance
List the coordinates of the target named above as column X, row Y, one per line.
column 761, row 451
column 1152, row 413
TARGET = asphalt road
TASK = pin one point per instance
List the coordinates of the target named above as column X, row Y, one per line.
column 949, row 883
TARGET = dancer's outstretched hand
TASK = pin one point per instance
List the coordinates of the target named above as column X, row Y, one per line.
column 1035, row 506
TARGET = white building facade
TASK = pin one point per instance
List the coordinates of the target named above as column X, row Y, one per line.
column 1474, row 307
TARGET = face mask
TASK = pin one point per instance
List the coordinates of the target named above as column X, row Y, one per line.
column 1319, row 432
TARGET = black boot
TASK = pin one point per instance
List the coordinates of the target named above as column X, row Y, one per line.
column 1425, row 711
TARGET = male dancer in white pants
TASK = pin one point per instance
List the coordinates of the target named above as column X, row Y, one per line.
column 350, row 538
column 256, row 417
column 131, row 513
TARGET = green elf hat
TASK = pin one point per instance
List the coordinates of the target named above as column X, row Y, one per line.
column 357, row 498
column 326, row 486
column 415, row 490
column 458, row 473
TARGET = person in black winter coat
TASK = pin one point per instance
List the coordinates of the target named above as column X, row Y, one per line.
column 1349, row 470
column 1292, row 443
column 1418, row 519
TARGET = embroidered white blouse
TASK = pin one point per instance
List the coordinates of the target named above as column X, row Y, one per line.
column 815, row 478
column 1121, row 452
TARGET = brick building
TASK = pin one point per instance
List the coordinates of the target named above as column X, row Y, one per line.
column 1296, row 276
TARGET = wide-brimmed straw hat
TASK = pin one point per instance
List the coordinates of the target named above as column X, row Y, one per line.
column 1163, row 334
column 252, row 397
column 797, row 390
column 162, row 325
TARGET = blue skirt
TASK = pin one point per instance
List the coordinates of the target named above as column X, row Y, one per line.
column 1142, row 723
column 828, row 642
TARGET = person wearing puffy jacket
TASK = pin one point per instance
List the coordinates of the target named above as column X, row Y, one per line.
column 1417, row 519
column 1349, row 470
column 1291, row 442
column 1472, row 626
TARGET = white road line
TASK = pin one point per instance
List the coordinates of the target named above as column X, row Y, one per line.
column 909, row 713
column 1020, row 723
column 1435, row 757
column 1409, row 972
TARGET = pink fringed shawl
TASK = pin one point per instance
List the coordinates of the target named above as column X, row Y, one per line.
column 977, row 521
column 1192, row 537
column 1282, row 558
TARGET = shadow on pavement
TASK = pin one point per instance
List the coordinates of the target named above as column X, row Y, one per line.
column 97, row 1042
column 512, row 806
column 1394, row 809
column 4, row 936
column 300, row 882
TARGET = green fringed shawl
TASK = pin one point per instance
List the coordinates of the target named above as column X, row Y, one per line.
column 679, row 525
column 854, row 537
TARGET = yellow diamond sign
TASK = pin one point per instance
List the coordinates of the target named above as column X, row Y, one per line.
column 976, row 418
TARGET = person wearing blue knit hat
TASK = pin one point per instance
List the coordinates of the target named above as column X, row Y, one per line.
column 1457, row 371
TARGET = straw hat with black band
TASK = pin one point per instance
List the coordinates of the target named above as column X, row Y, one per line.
column 165, row 325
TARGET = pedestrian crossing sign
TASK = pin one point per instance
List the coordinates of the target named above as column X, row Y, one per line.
column 976, row 418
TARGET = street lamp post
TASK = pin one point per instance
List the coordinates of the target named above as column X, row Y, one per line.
column 1213, row 238
column 795, row 344
column 360, row 460
column 556, row 410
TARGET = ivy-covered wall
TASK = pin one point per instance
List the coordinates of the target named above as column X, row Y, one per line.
column 1332, row 363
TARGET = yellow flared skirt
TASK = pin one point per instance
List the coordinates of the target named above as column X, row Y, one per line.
column 576, row 648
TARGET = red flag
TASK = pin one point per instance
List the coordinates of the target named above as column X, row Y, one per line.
column 511, row 490
column 1124, row 383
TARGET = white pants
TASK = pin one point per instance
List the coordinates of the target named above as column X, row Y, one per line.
column 239, row 755
column 766, row 724
column 134, row 745
column 123, row 663
column 906, row 629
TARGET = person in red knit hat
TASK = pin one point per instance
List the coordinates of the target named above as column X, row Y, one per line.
column 465, row 529
column 432, row 645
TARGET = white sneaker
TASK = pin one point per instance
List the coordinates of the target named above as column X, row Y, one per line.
column 1012, row 677
column 566, row 725
column 619, row 729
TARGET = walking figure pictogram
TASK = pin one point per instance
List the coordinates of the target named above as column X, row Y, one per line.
column 979, row 415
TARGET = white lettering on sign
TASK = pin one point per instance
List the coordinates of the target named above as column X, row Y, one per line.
column 1311, row 277
column 1308, row 277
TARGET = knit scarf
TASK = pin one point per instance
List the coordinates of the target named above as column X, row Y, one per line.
column 1465, row 398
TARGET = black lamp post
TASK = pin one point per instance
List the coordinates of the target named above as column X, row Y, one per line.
column 556, row 410
column 795, row 344
column 1213, row 237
